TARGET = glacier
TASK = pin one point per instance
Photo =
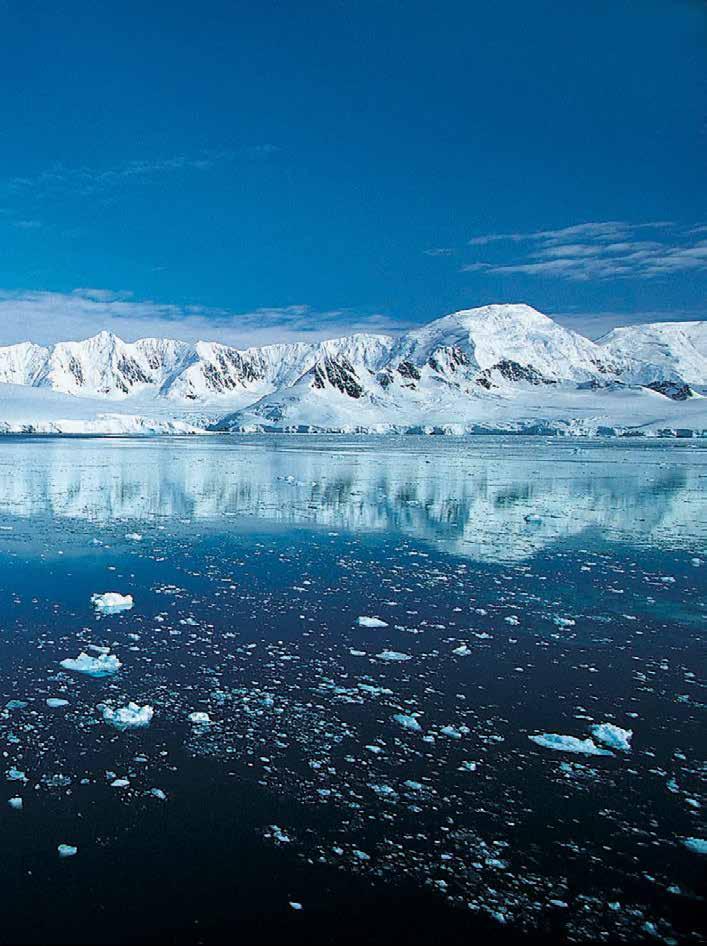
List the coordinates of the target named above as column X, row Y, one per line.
column 502, row 368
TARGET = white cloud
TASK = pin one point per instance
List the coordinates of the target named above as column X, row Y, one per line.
column 597, row 251
column 87, row 179
column 49, row 317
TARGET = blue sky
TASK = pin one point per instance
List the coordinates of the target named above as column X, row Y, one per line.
column 263, row 171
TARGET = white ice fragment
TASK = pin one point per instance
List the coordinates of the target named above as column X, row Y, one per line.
column 462, row 650
column 451, row 732
column 698, row 845
column 131, row 716
column 568, row 744
column 15, row 803
column 295, row 905
column 133, row 536
column 158, row 793
column 613, row 736
column 120, row 783
column 201, row 719
column 111, row 602
column 364, row 621
column 55, row 702
column 563, row 622
column 393, row 656
column 407, row 722
column 104, row 666
column 67, row 850
column 15, row 775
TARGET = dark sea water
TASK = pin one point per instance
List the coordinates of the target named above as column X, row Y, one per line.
column 354, row 784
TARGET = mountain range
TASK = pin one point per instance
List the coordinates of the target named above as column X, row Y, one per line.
column 498, row 367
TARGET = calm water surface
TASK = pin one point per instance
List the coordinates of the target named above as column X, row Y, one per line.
column 354, row 783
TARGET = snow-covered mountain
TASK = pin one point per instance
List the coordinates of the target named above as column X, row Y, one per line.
column 678, row 348
column 497, row 367
column 505, row 367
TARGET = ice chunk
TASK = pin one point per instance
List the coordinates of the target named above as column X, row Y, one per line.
column 407, row 722
column 131, row 716
column 393, row 656
column 15, row 775
column 462, row 650
column 15, row 803
column 698, row 845
column 104, row 666
column 364, row 621
column 67, row 850
column 111, row 602
column 54, row 702
column 613, row 736
column 199, row 718
column 158, row 793
column 568, row 744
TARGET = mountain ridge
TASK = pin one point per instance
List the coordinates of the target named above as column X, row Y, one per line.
column 467, row 369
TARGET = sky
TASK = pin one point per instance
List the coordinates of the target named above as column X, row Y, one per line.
column 257, row 172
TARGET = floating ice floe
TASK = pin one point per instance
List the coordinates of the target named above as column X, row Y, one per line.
column 111, row 602
column 16, row 704
column 201, row 719
column 55, row 702
column 158, row 793
column 15, row 775
column 407, row 722
column 133, row 536
column 131, row 716
column 15, row 803
column 67, row 850
column 462, row 651
column 104, row 666
column 613, row 736
column 295, row 905
column 364, row 621
column 393, row 656
column 698, row 845
column 568, row 744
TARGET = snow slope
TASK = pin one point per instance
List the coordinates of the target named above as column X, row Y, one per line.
column 676, row 347
column 27, row 410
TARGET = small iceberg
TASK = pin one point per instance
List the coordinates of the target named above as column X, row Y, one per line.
column 407, row 722
column 55, row 702
column 568, row 744
column 199, row 719
column 110, row 602
column 393, row 656
column 364, row 621
column 15, row 803
column 104, row 666
column 67, row 850
column 131, row 716
column 613, row 736
column 698, row 845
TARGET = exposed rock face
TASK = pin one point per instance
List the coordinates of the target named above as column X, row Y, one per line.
column 513, row 372
column 672, row 389
column 340, row 374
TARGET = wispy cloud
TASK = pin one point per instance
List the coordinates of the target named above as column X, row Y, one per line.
column 48, row 317
column 87, row 180
column 598, row 250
